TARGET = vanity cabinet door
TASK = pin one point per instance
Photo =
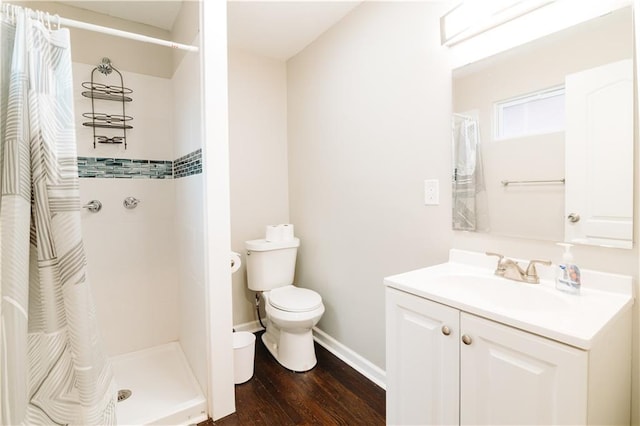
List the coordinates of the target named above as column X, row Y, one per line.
column 422, row 361
column 512, row 377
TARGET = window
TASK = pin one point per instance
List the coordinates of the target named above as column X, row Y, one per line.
column 534, row 114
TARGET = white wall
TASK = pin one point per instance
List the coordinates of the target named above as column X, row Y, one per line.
column 186, row 29
column 189, row 219
column 258, row 159
column 369, row 108
column 130, row 253
column 217, row 208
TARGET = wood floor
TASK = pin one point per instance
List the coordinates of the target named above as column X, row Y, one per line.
column 332, row 393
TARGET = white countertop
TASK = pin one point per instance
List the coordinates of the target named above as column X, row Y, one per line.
column 467, row 283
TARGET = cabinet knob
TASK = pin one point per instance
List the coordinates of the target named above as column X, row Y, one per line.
column 573, row 217
column 446, row 330
column 466, row 339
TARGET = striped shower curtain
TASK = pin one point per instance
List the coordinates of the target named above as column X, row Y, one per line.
column 53, row 370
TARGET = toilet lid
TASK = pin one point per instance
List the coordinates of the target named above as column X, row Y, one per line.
column 294, row 299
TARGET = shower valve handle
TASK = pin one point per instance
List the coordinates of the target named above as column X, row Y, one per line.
column 94, row 206
column 130, row 203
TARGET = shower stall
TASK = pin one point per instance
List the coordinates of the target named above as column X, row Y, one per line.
column 145, row 260
column 151, row 260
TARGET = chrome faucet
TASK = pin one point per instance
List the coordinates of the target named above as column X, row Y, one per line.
column 510, row 269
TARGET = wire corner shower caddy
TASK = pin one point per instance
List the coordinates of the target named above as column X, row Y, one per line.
column 107, row 92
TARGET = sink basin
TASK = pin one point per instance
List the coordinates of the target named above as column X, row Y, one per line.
column 505, row 294
column 467, row 283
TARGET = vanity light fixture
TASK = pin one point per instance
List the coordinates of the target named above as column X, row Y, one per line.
column 472, row 17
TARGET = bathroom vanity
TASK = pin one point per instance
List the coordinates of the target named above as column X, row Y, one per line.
column 467, row 347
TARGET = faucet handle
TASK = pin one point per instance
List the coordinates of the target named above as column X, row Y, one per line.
column 500, row 267
column 532, row 273
column 500, row 259
column 500, row 256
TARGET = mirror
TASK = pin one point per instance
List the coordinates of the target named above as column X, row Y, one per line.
column 543, row 137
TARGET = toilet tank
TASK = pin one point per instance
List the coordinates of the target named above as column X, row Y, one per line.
column 270, row 264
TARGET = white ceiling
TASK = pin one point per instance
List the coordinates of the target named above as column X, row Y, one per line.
column 281, row 29
column 160, row 14
column 276, row 29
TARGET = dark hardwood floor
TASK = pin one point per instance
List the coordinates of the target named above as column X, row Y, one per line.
column 332, row 393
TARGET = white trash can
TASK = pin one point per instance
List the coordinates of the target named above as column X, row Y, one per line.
column 244, row 346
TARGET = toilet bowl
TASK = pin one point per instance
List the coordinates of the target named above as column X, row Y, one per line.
column 292, row 312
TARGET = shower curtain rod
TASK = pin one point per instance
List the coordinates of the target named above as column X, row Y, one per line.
column 118, row 33
column 126, row 34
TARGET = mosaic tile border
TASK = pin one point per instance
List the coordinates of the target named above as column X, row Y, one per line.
column 126, row 168
column 187, row 165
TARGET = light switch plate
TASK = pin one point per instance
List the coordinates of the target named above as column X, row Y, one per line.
column 431, row 192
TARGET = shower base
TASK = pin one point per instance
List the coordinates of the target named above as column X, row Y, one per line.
column 163, row 388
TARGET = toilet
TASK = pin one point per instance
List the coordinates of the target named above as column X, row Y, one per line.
column 291, row 311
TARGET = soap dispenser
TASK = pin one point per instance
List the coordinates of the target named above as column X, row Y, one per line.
column 568, row 274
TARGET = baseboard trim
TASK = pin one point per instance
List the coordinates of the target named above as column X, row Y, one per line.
column 351, row 358
column 348, row 356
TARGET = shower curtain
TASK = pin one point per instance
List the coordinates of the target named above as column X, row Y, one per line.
column 53, row 370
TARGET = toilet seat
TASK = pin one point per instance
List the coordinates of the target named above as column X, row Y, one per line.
column 294, row 299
